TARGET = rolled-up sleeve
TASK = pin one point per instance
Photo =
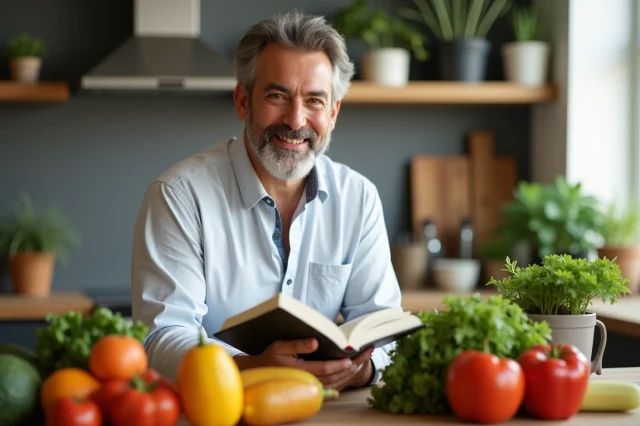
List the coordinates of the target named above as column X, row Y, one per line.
column 167, row 277
column 373, row 284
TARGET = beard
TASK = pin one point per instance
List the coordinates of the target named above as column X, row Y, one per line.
column 285, row 163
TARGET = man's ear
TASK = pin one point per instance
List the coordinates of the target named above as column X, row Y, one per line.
column 334, row 114
column 241, row 100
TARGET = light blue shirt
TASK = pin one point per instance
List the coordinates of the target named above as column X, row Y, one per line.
column 207, row 246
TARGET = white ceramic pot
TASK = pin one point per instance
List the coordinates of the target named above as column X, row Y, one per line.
column 577, row 330
column 386, row 66
column 456, row 275
column 526, row 62
column 25, row 70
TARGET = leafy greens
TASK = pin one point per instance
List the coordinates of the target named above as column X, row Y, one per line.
column 414, row 382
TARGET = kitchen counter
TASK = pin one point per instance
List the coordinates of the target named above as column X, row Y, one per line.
column 623, row 317
column 351, row 408
column 15, row 307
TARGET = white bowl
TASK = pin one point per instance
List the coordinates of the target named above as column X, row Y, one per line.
column 456, row 275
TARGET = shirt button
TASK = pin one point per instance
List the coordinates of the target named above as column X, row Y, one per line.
column 289, row 281
column 268, row 201
column 276, row 236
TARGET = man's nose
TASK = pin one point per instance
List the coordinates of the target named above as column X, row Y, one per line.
column 295, row 115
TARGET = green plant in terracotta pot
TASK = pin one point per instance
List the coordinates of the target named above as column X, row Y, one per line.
column 620, row 231
column 461, row 27
column 25, row 54
column 32, row 241
column 560, row 291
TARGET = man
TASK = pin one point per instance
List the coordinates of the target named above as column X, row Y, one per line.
column 234, row 225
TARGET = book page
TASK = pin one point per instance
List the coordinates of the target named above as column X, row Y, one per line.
column 371, row 320
column 365, row 336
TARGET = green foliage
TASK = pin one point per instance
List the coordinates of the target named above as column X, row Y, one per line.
column 526, row 23
column 25, row 45
column 457, row 19
column 414, row 382
column 554, row 219
column 495, row 249
column 620, row 226
column 68, row 338
column 27, row 230
column 378, row 29
column 562, row 284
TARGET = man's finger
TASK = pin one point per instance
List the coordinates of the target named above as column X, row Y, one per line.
column 293, row 347
column 324, row 368
column 338, row 380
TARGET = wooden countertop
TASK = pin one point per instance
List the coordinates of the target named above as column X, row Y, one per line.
column 623, row 317
column 351, row 408
column 14, row 307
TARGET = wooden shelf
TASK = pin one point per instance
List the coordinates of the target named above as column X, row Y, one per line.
column 444, row 92
column 11, row 91
column 14, row 307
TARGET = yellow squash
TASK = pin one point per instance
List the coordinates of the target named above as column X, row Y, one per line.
column 611, row 395
column 282, row 401
column 256, row 375
column 210, row 386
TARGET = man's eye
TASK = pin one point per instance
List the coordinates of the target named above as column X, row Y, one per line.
column 316, row 101
column 275, row 96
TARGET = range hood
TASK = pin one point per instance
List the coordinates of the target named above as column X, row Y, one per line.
column 164, row 53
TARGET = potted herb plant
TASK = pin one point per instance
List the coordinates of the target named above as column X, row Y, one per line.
column 620, row 231
column 557, row 218
column 560, row 291
column 25, row 54
column 32, row 242
column 526, row 59
column 462, row 29
column 390, row 41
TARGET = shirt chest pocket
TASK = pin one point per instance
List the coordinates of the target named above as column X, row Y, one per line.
column 327, row 285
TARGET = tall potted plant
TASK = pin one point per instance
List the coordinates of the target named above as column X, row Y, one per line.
column 560, row 292
column 390, row 40
column 25, row 54
column 553, row 219
column 31, row 243
column 526, row 60
column 620, row 232
column 462, row 29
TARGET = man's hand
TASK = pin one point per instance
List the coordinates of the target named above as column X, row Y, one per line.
column 335, row 374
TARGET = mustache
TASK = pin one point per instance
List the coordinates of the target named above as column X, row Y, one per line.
column 285, row 131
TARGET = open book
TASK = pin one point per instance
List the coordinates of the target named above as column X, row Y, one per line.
column 285, row 318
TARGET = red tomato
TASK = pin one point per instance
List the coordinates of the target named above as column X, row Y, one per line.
column 104, row 396
column 556, row 380
column 145, row 405
column 483, row 388
column 117, row 357
column 71, row 411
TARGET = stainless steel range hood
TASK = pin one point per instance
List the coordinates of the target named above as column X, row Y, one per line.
column 165, row 53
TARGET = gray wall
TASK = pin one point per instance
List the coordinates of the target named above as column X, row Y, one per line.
column 95, row 155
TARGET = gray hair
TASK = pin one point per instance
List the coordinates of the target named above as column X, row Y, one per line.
column 300, row 31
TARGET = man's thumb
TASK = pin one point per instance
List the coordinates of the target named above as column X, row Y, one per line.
column 293, row 347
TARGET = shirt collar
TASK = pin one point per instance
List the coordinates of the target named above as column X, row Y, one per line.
column 251, row 187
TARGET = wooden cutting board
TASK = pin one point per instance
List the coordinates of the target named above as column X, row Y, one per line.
column 450, row 189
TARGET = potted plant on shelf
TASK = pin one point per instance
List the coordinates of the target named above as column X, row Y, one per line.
column 560, row 292
column 552, row 219
column 390, row 42
column 620, row 231
column 526, row 59
column 462, row 29
column 31, row 243
column 25, row 54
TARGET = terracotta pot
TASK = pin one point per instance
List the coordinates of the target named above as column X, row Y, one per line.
column 577, row 330
column 628, row 258
column 32, row 273
column 410, row 265
column 25, row 70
